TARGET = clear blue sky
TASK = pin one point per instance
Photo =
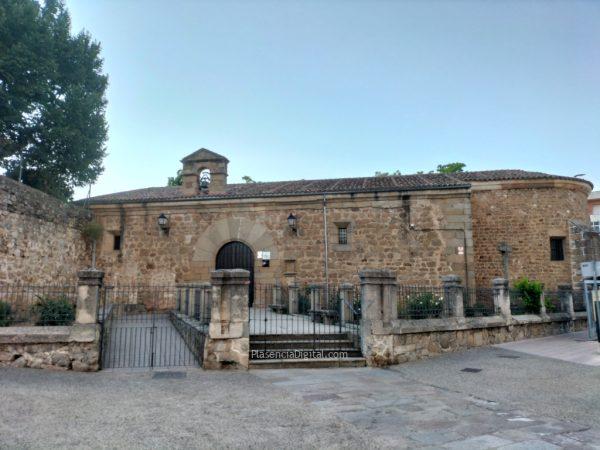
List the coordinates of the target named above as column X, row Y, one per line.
column 319, row 89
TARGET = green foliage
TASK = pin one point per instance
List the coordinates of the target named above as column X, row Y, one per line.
column 54, row 311
column 388, row 174
column 52, row 104
column 421, row 306
column 248, row 179
column 92, row 231
column 176, row 180
column 550, row 307
column 451, row 167
column 531, row 293
column 5, row 314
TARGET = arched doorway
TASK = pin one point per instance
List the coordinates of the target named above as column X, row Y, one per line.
column 237, row 255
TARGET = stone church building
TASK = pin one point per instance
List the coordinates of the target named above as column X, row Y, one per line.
column 420, row 226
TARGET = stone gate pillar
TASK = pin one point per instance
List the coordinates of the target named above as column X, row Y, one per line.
column 454, row 291
column 346, row 290
column 293, row 307
column 88, row 295
column 501, row 296
column 227, row 343
column 566, row 299
column 379, row 308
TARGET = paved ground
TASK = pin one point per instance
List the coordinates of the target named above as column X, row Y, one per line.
column 515, row 401
column 572, row 347
column 265, row 321
column 42, row 409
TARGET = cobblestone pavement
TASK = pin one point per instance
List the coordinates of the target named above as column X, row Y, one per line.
column 403, row 412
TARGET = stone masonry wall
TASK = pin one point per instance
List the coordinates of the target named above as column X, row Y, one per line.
column 380, row 234
column 40, row 241
column 397, row 347
column 58, row 348
column 526, row 216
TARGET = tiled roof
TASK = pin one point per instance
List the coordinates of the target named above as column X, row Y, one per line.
column 594, row 195
column 313, row 187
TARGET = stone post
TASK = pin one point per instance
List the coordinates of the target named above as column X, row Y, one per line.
column 88, row 295
column 543, row 311
column 201, row 309
column 566, row 299
column 293, row 306
column 346, row 312
column 501, row 297
column 378, row 308
column 227, row 343
column 186, row 301
column 315, row 297
column 454, row 293
column 277, row 293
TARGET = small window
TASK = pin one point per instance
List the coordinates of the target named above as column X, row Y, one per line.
column 342, row 235
column 557, row 251
column 117, row 242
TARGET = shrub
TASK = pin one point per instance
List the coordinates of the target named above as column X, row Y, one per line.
column 54, row 311
column 550, row 305
column 5, row 314
column 420, row 306
column 530, row 292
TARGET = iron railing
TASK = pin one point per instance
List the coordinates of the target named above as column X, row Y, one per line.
column 424, row 302
column 37, row 305
column 479, row 302
column 579, row 301
column 312, row 316
column 554, row 301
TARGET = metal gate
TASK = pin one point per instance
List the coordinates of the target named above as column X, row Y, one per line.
column 153, row 326
column 309, row 321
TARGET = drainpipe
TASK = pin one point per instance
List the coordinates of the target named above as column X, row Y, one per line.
column 326, row 244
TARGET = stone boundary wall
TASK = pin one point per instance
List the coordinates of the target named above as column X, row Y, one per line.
column 58, row 348
column 388, row 340
column 407, row 341
column 40, row 241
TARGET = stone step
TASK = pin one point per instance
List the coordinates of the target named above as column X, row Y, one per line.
column 307, row 363
column 299, row 337
column 302, row 344
column 348, row 352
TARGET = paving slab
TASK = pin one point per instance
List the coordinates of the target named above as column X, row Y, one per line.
column 571, row 347
column 414, row 414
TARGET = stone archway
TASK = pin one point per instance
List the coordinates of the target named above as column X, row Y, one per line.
column 237, row 255
column 253, row 234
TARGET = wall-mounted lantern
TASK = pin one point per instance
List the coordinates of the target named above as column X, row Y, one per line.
column 293, row 223
column 163, row 223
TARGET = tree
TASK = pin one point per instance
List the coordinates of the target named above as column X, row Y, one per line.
column 177, row 180
column 451, row 167
column 52, row 98
column 248, row 179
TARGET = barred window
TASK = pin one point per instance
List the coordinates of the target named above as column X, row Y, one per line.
column 117, row 242
column 342, row 235
column 557, row 251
